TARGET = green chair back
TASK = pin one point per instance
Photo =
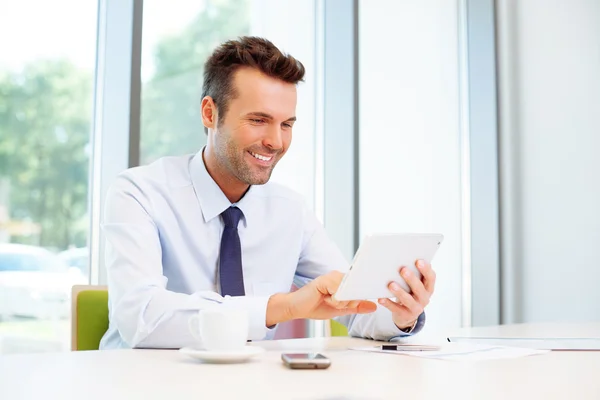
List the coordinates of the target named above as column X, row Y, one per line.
column 89, row 316
column 338, row 329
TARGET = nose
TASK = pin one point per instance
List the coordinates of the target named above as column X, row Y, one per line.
column 272, row 138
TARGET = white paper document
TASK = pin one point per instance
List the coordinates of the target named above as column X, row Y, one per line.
column 458, row 351
column 589, row 344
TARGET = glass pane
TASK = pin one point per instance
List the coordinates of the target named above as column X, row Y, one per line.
column 46, row 86
column 409, row 133
column 177, row 38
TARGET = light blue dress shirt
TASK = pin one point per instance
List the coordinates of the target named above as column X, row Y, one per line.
column 163, row 230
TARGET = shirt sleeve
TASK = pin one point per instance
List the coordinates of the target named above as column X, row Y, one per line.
column 144, row 312
column 320, row 256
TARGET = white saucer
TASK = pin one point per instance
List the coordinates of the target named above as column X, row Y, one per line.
column 223, row 356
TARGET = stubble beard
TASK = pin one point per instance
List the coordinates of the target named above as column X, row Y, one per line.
column 234, row 160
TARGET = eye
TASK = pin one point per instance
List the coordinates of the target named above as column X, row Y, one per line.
column 257, row 121
column 287, row 125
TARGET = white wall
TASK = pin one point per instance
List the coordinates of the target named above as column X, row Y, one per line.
column 550, row 165
column 409, row 133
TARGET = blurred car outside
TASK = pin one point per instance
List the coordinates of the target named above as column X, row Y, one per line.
column 78, row 257
column 35, row 283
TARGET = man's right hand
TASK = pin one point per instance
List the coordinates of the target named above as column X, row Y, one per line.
column 315, row 301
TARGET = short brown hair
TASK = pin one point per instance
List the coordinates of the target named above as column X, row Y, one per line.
column 246, row 51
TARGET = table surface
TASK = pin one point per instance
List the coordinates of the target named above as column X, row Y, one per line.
column 168, row 374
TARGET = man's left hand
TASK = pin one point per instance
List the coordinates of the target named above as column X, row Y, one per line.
column 407, row 307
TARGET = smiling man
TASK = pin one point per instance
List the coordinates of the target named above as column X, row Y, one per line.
column 209, row 231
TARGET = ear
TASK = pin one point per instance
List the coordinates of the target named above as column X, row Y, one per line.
column 208, row 111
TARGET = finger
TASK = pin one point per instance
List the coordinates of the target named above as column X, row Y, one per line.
column 429, row 275
column 395, row 308
column 331, row 302
column 365, row 307
column 354, row 303
column 329, row 284
column 361, row 307
column 416, row 286
column 341, row 305
column 404, row 298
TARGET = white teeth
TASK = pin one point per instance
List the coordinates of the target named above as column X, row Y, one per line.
column 263, row 158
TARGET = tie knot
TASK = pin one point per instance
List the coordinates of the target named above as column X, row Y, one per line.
column 231, row 217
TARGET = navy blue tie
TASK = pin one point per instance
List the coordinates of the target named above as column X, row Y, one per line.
column 230, row 257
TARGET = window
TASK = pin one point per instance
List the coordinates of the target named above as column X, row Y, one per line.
column 46, row 90
column 177, row 38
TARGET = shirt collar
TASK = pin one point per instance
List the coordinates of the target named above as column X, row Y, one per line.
column 210, row 196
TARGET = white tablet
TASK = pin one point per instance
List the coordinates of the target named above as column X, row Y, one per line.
column 378, row 260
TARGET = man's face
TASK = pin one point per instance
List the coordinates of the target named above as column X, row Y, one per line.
column 257, row 128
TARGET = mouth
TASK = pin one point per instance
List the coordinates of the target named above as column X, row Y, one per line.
column 262, row 159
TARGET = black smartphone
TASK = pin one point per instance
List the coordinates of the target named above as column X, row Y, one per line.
column 305, row 360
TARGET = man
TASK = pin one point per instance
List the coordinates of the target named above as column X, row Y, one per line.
column 208, row 231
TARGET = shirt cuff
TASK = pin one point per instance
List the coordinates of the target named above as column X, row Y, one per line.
column 418, row 326
column 256, row 306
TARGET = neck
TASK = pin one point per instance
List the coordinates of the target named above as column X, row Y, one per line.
column 232, row 187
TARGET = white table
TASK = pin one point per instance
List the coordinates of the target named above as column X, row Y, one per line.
column 167, row 374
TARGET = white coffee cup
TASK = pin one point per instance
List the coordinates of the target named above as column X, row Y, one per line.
column 220, row 329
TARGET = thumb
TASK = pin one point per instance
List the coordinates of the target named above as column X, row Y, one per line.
column 365, row 307
column 328, row 284
column 352, row 307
